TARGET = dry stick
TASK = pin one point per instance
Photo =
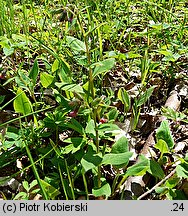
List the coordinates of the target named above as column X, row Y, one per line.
column 157, row 185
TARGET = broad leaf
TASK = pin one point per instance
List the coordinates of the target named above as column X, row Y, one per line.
column 67, row 149
column 21, row 103
column 25, row 185
column 11, row 135
column 120, row 146
column 105, row 190
column 75, row 44
column 34, row 72
column 64, row 76
column 55, row 65
column 132, row 55
column 23, row 80
column 8, row 144
column 87, row 165
column 103, row 66
column 62, row 100
column 163, row 132
column 73, row 88
column 64, row 72
column 33, row 184
column 172, row 182
column 145, row 96
column 161, row 190
column 140, row 168
column 90, row 129
column 117, row 159
column 70, row 87
column 113, row 114
column 107, row 127
column 21, row 195
column 2, row 97
column 182, row 170
column 162, row 146
column 165, row 52
column 76, row 144
column 156, row 170
column 52, row 192
column 46, row 79
column 172, row 58
column 90, row 160
column 8, row 51
column 75, row 125
column 123, row 96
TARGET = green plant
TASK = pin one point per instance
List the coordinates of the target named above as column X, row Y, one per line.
column 29, row 190
column 70, row 68
column 174, row 115
column 138, row 102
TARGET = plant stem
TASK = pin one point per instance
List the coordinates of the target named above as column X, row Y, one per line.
column 115, row 182
column 34, row 167
column 91, row 90
column 70, row 180
column 97, row 144
column 85, row 185
column 122, row 181
column 36, row 172
column 91, row 84
column 62, row 181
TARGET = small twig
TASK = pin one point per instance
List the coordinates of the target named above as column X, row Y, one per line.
column 157, row 185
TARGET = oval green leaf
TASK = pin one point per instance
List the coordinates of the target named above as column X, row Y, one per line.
column 22, row 103
column 164, row 133
column 105, row 190
column 46, row 79
column 75, row 44
column 103, row 66
column 156, row 170
column 120, row 146
column 117, row 159
column 139, row 168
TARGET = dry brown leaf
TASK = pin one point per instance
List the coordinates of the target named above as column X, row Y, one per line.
column 37, row 197
column 173, row 101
